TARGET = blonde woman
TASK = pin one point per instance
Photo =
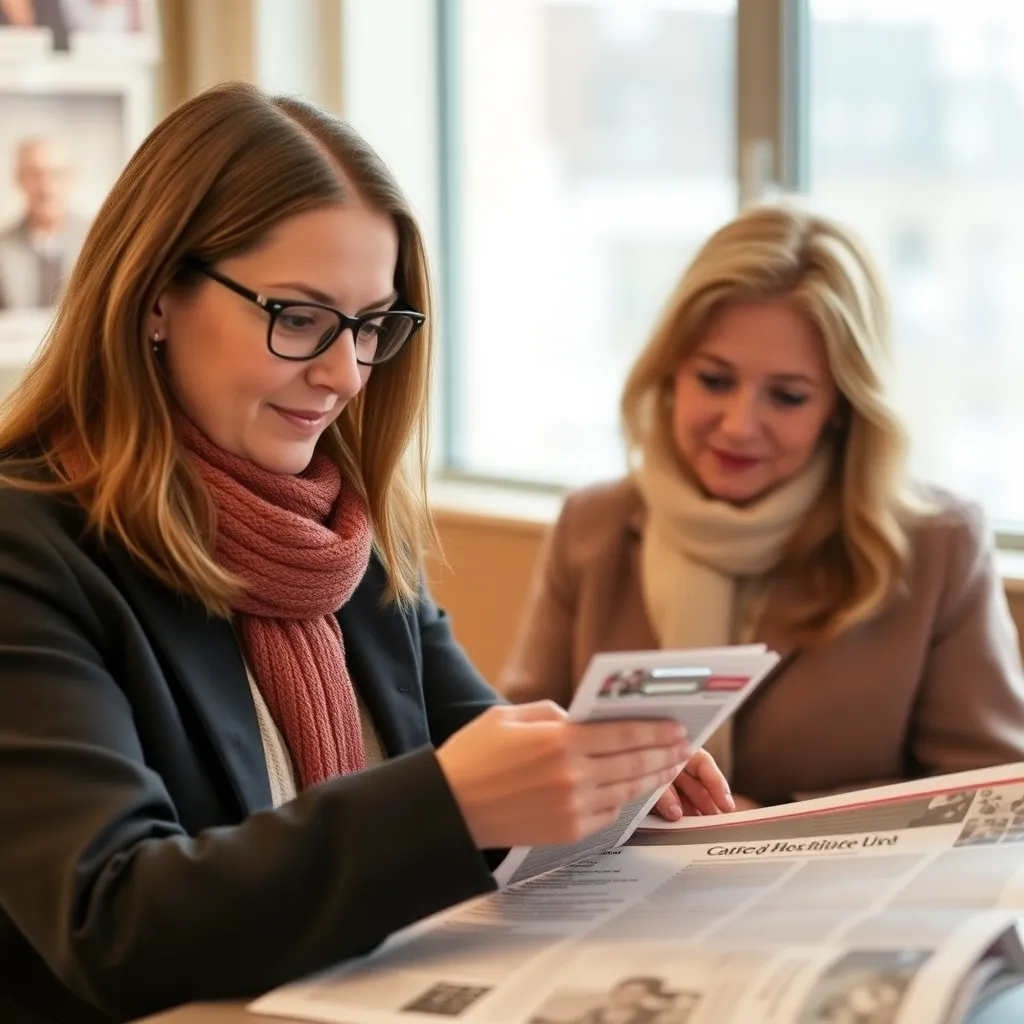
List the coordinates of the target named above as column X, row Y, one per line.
column 222, row 681
column 767, row 501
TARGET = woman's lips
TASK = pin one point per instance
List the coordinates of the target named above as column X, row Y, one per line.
column 306, row 421
column 733, row 463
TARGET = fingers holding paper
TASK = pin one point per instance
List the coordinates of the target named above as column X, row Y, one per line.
column 526, row 775
column 700, row 788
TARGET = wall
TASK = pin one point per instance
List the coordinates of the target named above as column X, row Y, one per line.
column 482, row 585
column 489, row 565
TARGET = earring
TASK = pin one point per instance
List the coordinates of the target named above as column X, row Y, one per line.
column 156, row 340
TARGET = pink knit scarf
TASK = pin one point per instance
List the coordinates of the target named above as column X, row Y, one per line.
column 301, row 544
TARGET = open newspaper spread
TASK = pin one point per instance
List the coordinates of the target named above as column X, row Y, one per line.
column 885, row 906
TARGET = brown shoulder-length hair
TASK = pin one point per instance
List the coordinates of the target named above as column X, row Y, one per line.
column 210, row 181
column 851, row 552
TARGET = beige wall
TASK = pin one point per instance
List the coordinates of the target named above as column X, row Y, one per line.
column 489, row 565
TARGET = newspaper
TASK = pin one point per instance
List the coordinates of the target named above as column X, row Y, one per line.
column 700, row 688
column 887, row 906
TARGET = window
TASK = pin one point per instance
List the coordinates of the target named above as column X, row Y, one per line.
column 925, row 157
column 593, row 148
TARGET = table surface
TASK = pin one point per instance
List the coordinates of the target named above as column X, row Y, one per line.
column 1005, row 1009
column 219, row 1013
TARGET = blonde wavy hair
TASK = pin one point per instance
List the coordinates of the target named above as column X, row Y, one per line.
column 851, row 552
column 211, row 181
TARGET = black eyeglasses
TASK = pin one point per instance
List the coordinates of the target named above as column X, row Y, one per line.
column 304, row 330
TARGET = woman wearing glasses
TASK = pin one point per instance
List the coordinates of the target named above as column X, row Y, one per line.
column 767, row 501
column 222, row 680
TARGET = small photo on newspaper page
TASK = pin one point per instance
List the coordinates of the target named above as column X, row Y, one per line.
column 995, row 815
column 635, row 999
column 863, row 987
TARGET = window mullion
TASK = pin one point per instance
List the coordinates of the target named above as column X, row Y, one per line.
column 794, row 95
column 760, row 143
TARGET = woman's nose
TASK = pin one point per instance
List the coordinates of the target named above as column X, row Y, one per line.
column 741, row 418
column 337, row 368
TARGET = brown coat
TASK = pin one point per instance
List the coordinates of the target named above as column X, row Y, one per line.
column 932, row 684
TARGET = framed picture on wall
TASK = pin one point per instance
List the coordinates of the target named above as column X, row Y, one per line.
column 110, row 30
column 63, row 142
column 24, row 32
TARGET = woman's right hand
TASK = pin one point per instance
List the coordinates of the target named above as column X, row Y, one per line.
column 525, row 775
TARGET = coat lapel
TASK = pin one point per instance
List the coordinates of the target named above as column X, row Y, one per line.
column 204, row 656
column 383, row 663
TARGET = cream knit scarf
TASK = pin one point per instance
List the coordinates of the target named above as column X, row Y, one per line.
column 699, row 557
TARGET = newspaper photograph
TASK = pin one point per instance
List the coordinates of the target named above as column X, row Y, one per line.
column 888, row 906
column 700, row 688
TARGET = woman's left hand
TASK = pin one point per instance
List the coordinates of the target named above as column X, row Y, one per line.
column 700, row 788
